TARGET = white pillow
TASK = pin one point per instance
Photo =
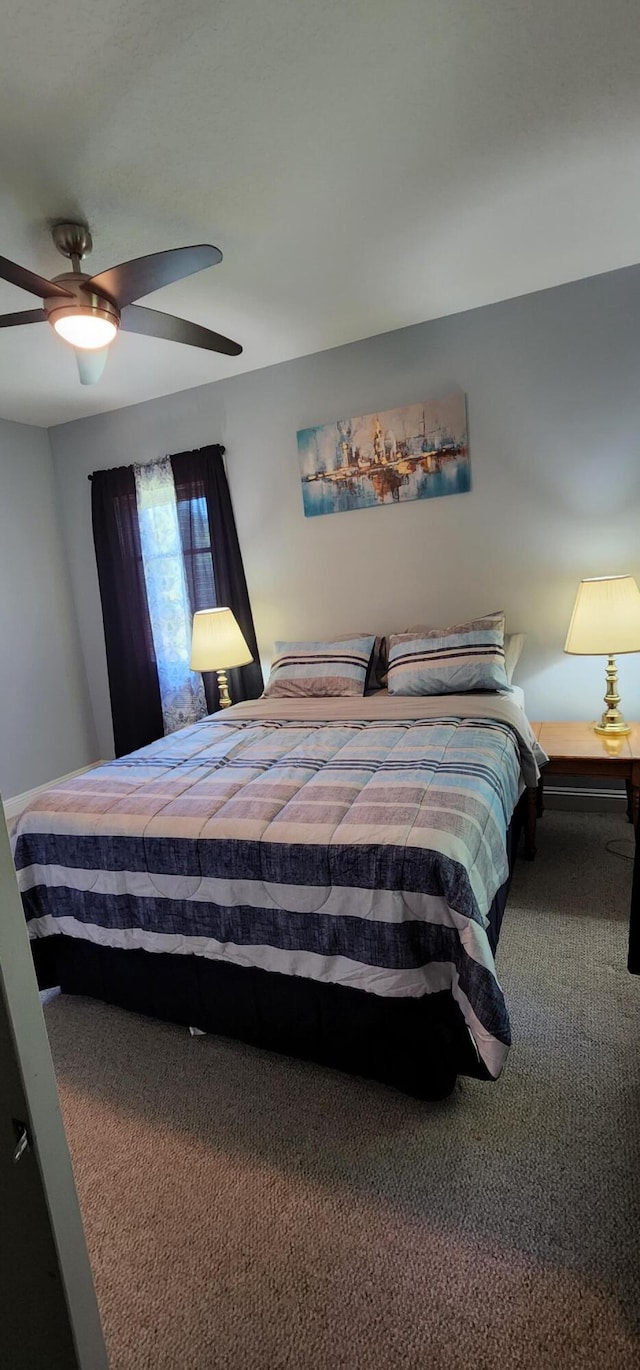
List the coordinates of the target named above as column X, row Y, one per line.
column 513, row 644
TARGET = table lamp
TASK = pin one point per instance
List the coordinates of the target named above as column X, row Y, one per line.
column 606, row 621
column 216, row 645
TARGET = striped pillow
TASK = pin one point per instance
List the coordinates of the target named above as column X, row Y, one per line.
column 468, row 656
column 378, row 662
column 320, row 668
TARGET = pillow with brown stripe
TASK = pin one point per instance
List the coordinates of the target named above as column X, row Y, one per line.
column 377, row 669
column 320, row 668
column 456, row 660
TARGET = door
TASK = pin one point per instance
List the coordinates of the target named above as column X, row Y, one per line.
column 48, row 1312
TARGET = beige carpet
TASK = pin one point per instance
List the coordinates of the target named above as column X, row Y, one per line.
column 247, row 1212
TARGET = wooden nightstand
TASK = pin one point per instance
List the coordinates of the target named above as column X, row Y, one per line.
column 575, row 749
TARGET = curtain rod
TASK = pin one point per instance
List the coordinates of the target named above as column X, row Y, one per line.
column 222, row 451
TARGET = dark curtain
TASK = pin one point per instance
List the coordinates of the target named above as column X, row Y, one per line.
column 213, row 563
column 133, row 680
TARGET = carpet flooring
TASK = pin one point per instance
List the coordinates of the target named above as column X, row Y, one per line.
column 248, row 1212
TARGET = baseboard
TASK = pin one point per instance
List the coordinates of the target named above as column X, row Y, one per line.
column 14, row 807
column 583, row 799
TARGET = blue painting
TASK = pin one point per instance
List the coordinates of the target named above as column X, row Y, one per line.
column 417, row 452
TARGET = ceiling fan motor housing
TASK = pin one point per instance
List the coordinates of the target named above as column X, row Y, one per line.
column 74, row 241
column 86, row 301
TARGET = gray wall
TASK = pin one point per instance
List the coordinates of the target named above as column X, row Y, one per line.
column 46, row 728
column 553, row 386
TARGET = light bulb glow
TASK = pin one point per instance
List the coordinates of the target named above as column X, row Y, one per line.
column 85, row 330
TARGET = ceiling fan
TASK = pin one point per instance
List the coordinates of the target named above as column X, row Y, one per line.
column 87, row 311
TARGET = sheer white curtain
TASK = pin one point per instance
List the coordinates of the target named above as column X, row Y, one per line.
column 181, row 690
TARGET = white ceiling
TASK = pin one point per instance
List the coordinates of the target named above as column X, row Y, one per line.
column 362, row 164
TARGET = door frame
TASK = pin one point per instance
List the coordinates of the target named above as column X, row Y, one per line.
column 44, row 1119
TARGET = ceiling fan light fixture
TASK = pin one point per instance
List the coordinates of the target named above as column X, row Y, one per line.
column 85, row 328
column 87, row 311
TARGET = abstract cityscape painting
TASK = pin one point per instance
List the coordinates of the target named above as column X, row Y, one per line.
column 417, row 452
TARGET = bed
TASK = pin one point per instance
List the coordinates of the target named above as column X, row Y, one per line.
column 323, row 877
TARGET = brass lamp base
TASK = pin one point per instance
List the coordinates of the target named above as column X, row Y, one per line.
column 612, row 723
column 223, row 690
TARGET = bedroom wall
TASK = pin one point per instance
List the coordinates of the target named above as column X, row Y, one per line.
column 553, row 384
column 46, row 724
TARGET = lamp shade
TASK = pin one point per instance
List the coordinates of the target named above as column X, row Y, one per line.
column 606, row 617
column 217, row 643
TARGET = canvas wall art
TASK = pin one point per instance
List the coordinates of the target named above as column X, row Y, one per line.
column 416, row 452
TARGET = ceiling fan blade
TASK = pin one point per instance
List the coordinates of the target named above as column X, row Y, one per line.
column 132, row 280
column 27, row 280
column 24, row 316
column 154, row 324
column 91, row 364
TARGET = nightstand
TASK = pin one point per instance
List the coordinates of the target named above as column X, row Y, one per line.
column 575, row 749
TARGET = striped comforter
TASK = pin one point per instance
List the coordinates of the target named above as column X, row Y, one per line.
column 359, row 842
